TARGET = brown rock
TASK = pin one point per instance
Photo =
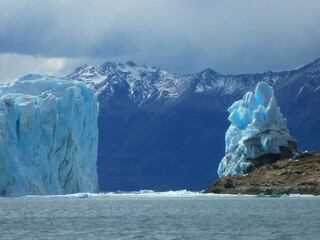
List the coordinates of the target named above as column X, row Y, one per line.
column 300, row 175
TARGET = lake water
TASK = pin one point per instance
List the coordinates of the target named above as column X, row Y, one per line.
column 171, row 215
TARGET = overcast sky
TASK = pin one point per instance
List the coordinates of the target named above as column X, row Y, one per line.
column 181, row 36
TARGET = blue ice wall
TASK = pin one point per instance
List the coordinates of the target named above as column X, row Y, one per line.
column 48, row 136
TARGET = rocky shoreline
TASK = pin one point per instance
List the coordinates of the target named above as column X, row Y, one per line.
column 300, row 175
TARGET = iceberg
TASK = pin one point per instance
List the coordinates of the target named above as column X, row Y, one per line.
column 48, row 136
column 258, row 133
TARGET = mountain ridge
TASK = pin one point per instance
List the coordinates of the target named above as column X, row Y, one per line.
column 83, row 75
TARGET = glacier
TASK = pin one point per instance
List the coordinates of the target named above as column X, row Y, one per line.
column 258, row 133
column 48, row 136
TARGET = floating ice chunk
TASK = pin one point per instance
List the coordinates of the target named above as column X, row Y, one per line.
column 261, row 195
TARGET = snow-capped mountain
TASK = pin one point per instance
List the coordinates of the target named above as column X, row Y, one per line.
column 143, row 83
column 146, row 83
column 165, row 131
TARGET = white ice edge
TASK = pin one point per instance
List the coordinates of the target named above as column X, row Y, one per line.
column 167, row 194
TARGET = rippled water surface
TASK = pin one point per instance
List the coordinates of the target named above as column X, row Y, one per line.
column 159, row 217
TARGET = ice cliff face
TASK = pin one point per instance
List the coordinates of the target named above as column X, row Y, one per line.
column 258, row 133
column 48, row 136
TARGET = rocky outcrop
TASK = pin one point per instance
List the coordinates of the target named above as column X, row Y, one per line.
column 300, row 175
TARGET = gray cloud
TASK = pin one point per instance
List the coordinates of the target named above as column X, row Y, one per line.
column 180, row 36
column 14, row 65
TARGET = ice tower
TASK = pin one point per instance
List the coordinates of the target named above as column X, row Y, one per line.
column 258, row 133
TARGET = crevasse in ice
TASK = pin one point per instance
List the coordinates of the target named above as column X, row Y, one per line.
column 48, row 136
column 258, row 133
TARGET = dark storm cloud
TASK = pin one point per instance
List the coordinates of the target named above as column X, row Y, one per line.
column 181, row 36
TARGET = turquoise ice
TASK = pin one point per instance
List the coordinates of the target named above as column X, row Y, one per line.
column 48, row 136
column 257, row 129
